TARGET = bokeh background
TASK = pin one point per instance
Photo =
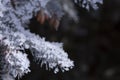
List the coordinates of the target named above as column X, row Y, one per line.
column 93, row 43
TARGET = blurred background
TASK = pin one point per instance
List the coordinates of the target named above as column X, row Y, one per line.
column 93, row 43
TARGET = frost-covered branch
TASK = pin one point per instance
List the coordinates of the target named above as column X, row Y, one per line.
column 89, row 3
column 13, row 35
column 15, row 16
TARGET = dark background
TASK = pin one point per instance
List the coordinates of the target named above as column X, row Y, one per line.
column 93, row 44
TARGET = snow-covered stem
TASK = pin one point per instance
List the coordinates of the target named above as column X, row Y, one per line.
column 13, row 21
column 15, row 16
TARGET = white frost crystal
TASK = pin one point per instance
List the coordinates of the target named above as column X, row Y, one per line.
column 87, row 3
column 1, row 9
column 19, row 63
column 54, row 56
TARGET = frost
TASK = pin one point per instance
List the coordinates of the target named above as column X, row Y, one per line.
column 15, row 39
column 1, row 9
column 89, row 3
column 4, row 65
column 53, row 56
column 19, row 64
column 15, row 16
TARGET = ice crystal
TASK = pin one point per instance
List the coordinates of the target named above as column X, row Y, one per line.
column 53, row 56
column 1, row 9
column 4, row 65
column 89, row 3
column 19, row 63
